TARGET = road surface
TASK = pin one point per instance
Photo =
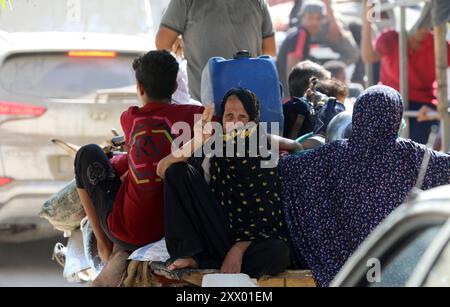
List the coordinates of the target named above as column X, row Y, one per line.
column 30, row 265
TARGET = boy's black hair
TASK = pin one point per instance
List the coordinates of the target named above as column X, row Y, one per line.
column 157, row 72
column 301, row 75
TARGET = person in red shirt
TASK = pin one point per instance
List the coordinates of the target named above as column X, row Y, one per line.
column 421, row 69
column 123, row 197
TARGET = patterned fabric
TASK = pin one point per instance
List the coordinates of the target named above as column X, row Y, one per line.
column 249, row 194
column 335, row 196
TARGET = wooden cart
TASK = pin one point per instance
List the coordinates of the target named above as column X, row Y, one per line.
column 155, row 274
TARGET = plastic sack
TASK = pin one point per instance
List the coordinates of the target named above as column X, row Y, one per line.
column 340, row 127
column 64, row 210
column 76, row 268
column 90, row 247
column 181, row 95
column 154, row 252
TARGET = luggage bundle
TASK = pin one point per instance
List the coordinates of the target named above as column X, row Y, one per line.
column 64, row 210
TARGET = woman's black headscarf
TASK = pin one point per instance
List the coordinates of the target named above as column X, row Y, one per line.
column 249, row 101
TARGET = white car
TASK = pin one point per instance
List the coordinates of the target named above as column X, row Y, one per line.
column 410, row 249
column 57, row 58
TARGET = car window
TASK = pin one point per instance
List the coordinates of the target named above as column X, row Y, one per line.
column 398, row 265
column 96, row 16
column 440, row 274
column 65, row 77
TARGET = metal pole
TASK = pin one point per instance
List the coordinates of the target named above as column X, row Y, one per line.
column 404, row 89
column 440, row 47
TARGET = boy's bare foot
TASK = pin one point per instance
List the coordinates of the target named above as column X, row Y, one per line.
column 186, row 263
column 112, row 273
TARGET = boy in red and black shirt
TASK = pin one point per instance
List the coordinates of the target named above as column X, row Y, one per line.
column 123, row 197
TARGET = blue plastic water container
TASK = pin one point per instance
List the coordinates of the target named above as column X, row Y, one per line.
column 258, row 75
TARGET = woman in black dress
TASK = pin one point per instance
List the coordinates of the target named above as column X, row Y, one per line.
column 234, row 222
